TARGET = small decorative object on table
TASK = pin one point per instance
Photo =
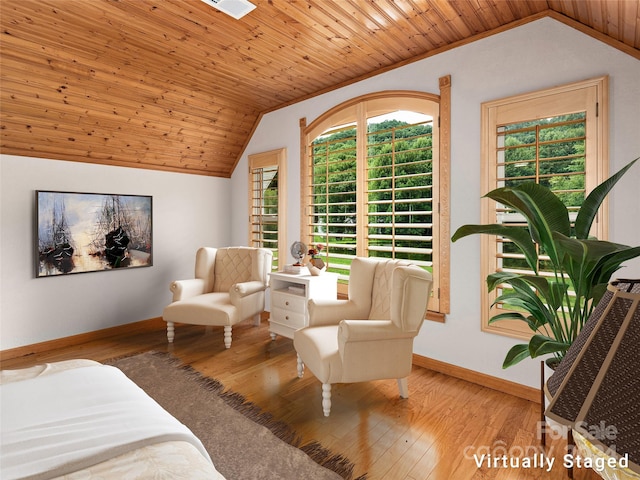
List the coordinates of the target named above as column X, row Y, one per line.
column 316, row 264
column 298, row 250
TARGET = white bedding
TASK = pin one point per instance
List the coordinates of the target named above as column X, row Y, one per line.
column 91, row 422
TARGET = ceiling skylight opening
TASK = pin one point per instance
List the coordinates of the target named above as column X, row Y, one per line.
column 234, row 8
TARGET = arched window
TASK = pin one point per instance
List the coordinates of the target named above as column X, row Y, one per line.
column 374, row 182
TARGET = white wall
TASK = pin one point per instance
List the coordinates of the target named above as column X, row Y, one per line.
column 188, row 211
column 535, row 56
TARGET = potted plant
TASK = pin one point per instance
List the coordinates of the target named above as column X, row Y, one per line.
column 554, row 307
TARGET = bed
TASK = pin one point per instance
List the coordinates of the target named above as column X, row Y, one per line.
column 81, row 419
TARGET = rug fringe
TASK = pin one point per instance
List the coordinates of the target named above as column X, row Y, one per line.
column 322, row 456
column 282, row 430
column 338, row 463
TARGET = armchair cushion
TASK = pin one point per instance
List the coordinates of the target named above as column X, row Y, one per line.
column 208, row 309
column 321, row 347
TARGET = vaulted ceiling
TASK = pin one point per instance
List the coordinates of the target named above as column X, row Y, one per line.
column 177, row 85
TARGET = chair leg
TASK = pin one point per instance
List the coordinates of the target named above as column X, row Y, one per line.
column 300, row 367
column 326, row 399
column 170, row 332
column 403, row 387
column 227, row 336
column 256, row 320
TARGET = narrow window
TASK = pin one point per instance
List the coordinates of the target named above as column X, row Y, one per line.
column 266, row 216
column 553, row 137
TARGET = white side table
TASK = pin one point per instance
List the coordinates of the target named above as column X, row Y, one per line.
column 289, row 297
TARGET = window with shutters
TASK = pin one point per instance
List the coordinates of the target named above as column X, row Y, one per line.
column 554, row 137
column 267, row 171
column 373, row 185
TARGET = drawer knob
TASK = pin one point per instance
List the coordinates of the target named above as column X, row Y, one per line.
column 286, row 317
column 286, row 303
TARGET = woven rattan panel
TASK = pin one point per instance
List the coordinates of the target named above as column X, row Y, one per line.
column 615, row 409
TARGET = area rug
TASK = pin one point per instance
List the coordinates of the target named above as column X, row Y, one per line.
column 243, row 441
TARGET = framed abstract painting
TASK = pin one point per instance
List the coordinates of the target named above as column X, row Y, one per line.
column 90, row 232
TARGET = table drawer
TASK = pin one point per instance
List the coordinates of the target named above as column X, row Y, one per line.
column 287, row 317
column 289, row 302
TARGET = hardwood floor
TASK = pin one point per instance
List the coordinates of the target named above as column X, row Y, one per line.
column 432, row 435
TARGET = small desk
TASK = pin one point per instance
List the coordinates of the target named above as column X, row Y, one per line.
column 290, row 295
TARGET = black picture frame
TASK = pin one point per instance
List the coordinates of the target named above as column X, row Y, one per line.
column 79, row 232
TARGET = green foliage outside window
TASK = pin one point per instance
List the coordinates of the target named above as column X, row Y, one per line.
column 399, row 186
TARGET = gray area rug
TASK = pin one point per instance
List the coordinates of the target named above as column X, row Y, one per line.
column 243, row 441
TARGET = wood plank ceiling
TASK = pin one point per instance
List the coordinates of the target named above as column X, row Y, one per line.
column 177, row 85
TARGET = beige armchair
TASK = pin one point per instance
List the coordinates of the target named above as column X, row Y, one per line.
column 370, row 335
column 229, row 287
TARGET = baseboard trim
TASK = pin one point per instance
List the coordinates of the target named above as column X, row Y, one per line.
column 136, row 327
column 495, row 383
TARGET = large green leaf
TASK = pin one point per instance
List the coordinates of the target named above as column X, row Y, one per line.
column 591, row 204
column 525, row 286
column 580, row 259
column 517, row 235
column 537, row 203
column 516, row 354
column 551, row 291
column 495, row 279
column 592, row 262
column 508, row 316
column 549, row 210
column 533, row 323
column 610, row 263
column 530, row 304
column 544, row 211
column 542, row 345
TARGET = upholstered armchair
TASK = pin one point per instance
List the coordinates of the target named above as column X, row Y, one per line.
column 370, row 335
column 229, row 287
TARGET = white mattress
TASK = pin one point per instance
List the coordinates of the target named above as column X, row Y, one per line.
column 53, row 418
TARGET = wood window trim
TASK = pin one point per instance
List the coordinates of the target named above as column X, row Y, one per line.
column 547, row 102
column 346, row 111
column 276, row 157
